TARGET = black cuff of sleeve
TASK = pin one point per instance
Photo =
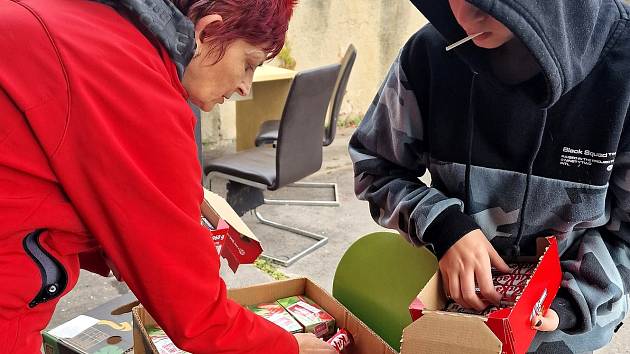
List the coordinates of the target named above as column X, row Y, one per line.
column 447, row 228
column 566, row 311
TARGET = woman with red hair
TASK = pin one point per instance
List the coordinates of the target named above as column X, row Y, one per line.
column 98, row 157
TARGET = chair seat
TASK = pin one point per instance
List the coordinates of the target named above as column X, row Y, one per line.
column 256, row 165
column 268, row 133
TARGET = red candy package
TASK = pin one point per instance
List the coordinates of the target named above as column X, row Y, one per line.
column 340, row 340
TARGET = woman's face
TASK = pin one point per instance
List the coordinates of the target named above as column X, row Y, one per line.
column 473, row 20
column 209, row 84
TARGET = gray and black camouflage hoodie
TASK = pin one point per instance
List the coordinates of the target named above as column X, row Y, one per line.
column 522, row 141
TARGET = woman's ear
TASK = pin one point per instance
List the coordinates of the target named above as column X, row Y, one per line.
column 203, row 22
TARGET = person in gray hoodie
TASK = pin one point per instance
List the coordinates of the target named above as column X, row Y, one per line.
column 523, row 132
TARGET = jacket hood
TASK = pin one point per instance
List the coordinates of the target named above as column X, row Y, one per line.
column 565, row 37
column 162, row 20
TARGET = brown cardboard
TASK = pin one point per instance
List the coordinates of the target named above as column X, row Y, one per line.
column 504, row 331
column 107, row 328
column 365, row 341
column 431, row 333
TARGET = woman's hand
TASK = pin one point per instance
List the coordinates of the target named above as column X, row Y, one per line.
column 309, row 344
column 468, row 262
column 547, row 323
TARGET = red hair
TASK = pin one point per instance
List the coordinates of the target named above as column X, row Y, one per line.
column 259, row 22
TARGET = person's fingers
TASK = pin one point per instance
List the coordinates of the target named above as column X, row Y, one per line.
column 470, row 296
column 497, row 261
column 445, row 284
column 454, row 289
column 547, row 323
column 483, row 274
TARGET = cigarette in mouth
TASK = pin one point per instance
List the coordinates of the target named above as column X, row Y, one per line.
column 464, row 40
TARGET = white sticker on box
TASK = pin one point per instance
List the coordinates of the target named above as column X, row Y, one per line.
column 312, row 309
column 73, row 327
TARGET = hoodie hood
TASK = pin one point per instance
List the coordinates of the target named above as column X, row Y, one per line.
column 162, row 20
column 565, row 37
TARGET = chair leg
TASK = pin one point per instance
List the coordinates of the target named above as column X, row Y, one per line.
column 321, row 240
column 334, row 202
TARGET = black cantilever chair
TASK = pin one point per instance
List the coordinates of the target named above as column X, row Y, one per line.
column 299, row 147
column 268, row 132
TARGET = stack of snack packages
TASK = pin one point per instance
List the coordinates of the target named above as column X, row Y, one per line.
column 510, row 285
column 278, row 315
column 297, row 314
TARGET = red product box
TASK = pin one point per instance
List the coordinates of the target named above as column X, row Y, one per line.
column 234, row 240
column 510, row 327
column 219, row 232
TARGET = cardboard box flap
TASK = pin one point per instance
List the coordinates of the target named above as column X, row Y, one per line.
column 239, row 246
column 460, row 334
column 141, row 341
column 268, row 292
column 219, row 206
column 432, row 294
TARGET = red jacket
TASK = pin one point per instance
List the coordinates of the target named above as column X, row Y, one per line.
column 97, row 145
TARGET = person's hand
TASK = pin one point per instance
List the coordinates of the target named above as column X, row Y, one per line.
column 309, row 344
column 467, row 261
column 547, row 322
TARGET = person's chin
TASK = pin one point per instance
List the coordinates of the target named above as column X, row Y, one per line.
column 488, row 44
column 207, row 107
column 204, row 106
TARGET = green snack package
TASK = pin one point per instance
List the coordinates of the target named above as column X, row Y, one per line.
column 278, row 315
column 310, row 315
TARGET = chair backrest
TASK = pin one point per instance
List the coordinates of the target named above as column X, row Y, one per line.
column 378, row 277
column 299, row 151
column 340, row 90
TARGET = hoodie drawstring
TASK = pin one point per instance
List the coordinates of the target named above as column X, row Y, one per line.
column 471, row 134
column 516, row 248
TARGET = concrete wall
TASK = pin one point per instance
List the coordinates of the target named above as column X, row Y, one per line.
column 321, row 30
column 319, row 34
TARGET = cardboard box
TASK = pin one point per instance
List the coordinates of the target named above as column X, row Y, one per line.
column 365, row 341
column 233, row 239
column 105, row 329
column 506, row 331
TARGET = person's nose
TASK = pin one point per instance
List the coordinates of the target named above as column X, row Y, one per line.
column 467, row 13
column 245, row 86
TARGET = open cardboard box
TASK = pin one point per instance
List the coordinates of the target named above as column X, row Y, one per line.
column 236, row 242
column 506, row 331
column 105, row 329
column 365, row 341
